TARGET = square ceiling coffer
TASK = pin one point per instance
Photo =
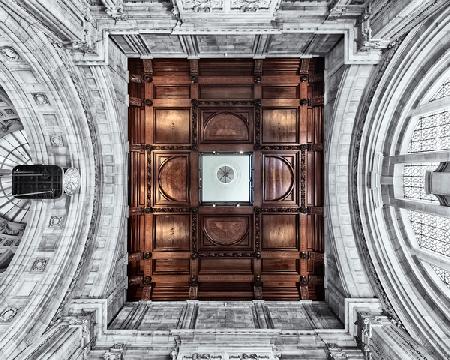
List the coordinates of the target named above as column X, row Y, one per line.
column 226, row 178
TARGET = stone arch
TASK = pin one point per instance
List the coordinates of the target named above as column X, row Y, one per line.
column 48, row 105
column 344, row 265
column 377, row 215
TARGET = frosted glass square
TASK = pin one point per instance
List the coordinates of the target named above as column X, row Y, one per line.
column 225, row 178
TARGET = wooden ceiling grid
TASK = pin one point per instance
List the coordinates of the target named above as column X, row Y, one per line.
column 180, row 248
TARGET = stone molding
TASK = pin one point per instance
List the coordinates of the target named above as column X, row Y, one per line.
column 90, row 46
column 180, row 338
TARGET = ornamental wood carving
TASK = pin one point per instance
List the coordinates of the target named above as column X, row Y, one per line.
column 226, row 125
column 172, row 179
column 180, row 248
column 221, row 233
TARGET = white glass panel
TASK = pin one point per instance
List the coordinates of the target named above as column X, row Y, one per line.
column 432, row 231
column 431, row 133
column 226, row 178
column 444, row 275
column 444, row 90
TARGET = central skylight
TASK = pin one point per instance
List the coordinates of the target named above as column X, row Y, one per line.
column 226, row 178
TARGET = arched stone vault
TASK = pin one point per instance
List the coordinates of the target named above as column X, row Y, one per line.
column 378, row 138
column 48, row 105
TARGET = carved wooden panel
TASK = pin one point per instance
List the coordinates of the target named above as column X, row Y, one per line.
column 280, row 92
column 226, row 125
column 172, row 232
column 172, row 178
column 172, row 126
column 172, row 92
column 280, row 265
column 280, row 178
column 227, row 232
column 171, row 266
column 231, row 92
column 280, row 126
column 314, row 178
column 270, row 249
column 138, row 179
column 139, row 243
column 280, row 232
column 225, row 266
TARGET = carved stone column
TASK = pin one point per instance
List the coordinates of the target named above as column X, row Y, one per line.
column 114, row 8
column 381, row 339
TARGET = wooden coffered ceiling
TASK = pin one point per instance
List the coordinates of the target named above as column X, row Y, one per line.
column 180, row 248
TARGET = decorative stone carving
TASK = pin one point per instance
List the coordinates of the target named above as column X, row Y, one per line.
column 250, row 5
column 56, row 140
column 235, row 10
column 39, row 264
column 114, row 353
column 8, row 314
column 41, row 99
column 202, row 356
column 56, row 222
column 203, row 5
column 365, row 40
column 249, row 356
column 345, row 353
column 71, row 181
column 10, row 228
column 114, row 8
column 9, row 53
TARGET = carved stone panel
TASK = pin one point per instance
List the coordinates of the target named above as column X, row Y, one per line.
column 280, row 178
column 226, row 125
column 172, row 178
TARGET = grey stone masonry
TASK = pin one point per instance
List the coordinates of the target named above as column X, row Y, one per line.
column 303, row 315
